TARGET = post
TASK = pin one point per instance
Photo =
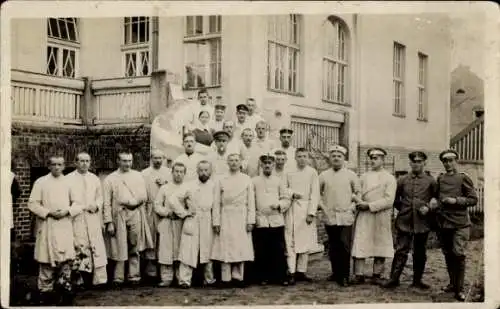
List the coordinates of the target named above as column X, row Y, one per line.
column 88, row 104
column 159, row 93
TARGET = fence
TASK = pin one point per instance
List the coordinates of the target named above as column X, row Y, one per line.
column 478, row 210
column 43, row 98
column 470, row 141
column 122, row 100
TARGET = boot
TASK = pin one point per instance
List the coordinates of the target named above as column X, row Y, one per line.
column 418, row 271
column 460, row 278
column 398, row 264
column 450, row 268
column 302, row 277
column 358, row 279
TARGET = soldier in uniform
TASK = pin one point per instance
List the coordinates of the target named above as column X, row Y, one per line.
column 218, row 121
column 242, row 122
column 415, row 197
column 456, row 193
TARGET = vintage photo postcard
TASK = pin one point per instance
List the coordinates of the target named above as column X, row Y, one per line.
column 241, row 153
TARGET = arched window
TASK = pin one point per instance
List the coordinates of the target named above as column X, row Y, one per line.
column 335, row 61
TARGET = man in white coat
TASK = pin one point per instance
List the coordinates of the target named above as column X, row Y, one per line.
column 372, row 230
column 169, row 226
column 233, row 222
column 90, row 249
column 195, row 205
column 219, row 156
column 55, row 205
column 300, row 228
column 338, row 185
column 189, row 158
column 271, row 202
column 125, row 219
column 156, row 175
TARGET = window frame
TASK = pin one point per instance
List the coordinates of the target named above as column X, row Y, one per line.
column 63, row 44
column 136, row 48
column 212, row 70
column 422, row 87
column 292, row 43
column 335, row 60
column 398, row 78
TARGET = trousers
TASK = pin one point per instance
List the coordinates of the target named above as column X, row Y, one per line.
column 339, row 250
column 297, row 262
column 453, row 245
column 232, row 271
column 378, row 266
column 404, row 241
column 186, row 273
column 134, row 269
column 49, row 275
column 270, row 254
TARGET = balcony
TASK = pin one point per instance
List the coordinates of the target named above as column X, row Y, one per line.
column 54, row 101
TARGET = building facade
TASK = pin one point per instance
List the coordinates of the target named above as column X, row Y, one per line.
column 361, row 80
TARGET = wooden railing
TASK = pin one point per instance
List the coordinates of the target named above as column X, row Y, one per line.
column 479, row 208
column 43, row 98
column 122, row 100
column 470, row 141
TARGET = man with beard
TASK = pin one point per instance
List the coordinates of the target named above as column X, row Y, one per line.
column 155, row 176
column 194, row 205
column 372, row 231
column 415, row 196
column 55, row 204
column 233, row 222
column 189, row 158
column 169, row 226
column 455, row 194
column 87, row 228
column 300, row 228
column 286, row 139
column 271, row 202
column 124, row 216
column 337, row 186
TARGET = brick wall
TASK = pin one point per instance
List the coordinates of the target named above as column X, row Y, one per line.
column 31, row 147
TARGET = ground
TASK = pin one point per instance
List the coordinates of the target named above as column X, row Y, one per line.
column 318, row 292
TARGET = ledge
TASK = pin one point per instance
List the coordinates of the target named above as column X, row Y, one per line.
column 101, row 85
column 26, row 77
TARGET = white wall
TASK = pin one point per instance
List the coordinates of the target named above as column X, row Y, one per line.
column 379, row 126
column 28, row 44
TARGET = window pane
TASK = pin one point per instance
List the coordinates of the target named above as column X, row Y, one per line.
column 212, row 24
column 68, row 58
column 72, row 29
column 199, row 25
column 135, row 31
column 189, row 25
column 53, row 28
column 63, row 29
column 52, row 67
column 131, row 64
column 146, row 30
column 145, row 63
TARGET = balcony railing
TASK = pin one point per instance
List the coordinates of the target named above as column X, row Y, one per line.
column 47, row 99
column 469, row 143
column 122, row 100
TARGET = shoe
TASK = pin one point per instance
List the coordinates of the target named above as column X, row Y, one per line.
column 163, row 284
column 240, row 284
column 449, row 288
column 377, row 280
column 332, row 278
column 343, row 282
column 302, row 277
column 358, row 280
column 460, row 296
column 420, row 285
column 184, row 286
column 391, row 284
column 291, row 279
column 263, row 282
column 285, row 282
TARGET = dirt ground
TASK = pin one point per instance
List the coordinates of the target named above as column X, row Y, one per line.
column 318, row 292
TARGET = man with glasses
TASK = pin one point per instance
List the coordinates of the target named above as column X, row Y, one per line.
column 415, row 197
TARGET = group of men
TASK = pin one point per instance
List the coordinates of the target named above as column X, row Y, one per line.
column 250, row 200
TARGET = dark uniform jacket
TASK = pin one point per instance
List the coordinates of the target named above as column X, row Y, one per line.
column 413, row 192
column 459, row 186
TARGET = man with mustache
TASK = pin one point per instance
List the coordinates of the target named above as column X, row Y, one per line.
column 286, row 140
column 156, row 175
column 337, row 186
column 189, row 158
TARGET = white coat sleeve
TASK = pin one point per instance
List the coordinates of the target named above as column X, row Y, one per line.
column 35, row 201
column 387, row 200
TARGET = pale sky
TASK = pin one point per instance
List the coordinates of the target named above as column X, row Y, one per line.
column 468, row 41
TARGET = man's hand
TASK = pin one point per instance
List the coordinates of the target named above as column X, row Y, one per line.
column 92, row 208
column 216, row 229
column 249, row 227
column 449, row 200
column 275, row 207
column 160, row 182
column 423, row 210
column 363, row 206
column 309, row 219
column 110, row 229
column 59, row 214
column 297, row 196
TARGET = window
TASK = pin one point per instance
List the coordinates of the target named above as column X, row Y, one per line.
column 202, row 50
column 283, row 54
column 422, row 87
column 398, row 79
column 63, row 47
column 136, row 46
column 335, row 62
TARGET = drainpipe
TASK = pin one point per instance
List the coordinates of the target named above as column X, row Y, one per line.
column 357, row 86
column 154, row 42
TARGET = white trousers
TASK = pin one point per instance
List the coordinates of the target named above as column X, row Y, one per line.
column 232, row 271
column 134, row 269
column 167, row 273
column 297, row 262
column 186, row 273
